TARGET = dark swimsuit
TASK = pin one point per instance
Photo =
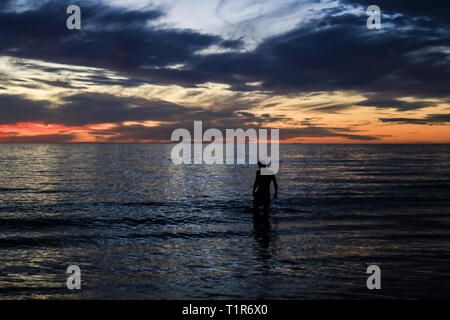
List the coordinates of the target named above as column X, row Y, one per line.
column 262, row 194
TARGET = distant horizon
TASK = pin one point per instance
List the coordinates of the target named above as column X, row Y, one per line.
column 285, row 143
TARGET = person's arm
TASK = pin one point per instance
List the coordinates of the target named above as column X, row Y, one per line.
column 275, row 185
column 256, row 184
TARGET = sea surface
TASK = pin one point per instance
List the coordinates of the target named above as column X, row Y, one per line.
column 140, row 227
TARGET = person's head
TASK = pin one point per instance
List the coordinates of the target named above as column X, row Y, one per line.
column 261, row 165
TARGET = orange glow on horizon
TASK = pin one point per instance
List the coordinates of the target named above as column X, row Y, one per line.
column 386, row 133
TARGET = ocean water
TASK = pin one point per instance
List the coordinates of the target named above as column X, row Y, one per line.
column 140, row 227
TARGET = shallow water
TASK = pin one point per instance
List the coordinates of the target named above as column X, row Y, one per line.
column 140, row 227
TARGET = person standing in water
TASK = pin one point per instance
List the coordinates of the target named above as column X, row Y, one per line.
column 261, row 188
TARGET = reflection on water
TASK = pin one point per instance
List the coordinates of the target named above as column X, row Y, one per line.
column 140, row 227
column 264, row 235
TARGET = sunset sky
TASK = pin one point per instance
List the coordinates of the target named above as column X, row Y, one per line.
column 139, row 69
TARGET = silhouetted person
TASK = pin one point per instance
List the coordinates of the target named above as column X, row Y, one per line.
column 261, row 188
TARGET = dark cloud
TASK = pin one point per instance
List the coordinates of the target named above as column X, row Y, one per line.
column 232, row 44
column 43, row 138
column 432, row 119
column 386, row 103
column 335, row 108
column 316, row 131
column 438, row 9
column 4, row 4
column 340, row 53
column 59, row 84
column 379, row 101
column 334, row 52
column 111, row 37
column 122, row 133
column 89, row 108
column 94, row 108
column 14, row 108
